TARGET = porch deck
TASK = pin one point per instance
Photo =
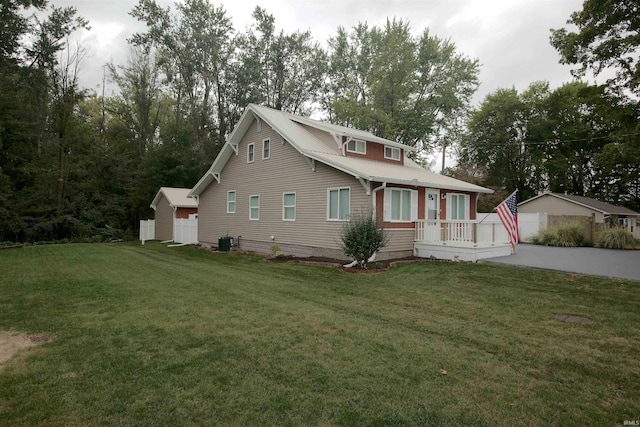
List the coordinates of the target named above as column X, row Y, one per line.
column 460, row 240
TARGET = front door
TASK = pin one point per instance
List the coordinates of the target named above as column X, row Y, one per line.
column 433, row 204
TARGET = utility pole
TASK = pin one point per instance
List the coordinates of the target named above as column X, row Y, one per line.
column 444, row 152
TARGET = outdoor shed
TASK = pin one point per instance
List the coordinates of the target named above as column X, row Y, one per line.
column 170, row 204
column 593, row 214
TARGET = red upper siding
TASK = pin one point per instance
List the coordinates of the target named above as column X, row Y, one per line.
column 185, row 212
column 374, row 151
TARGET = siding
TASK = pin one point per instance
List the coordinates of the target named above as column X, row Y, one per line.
column 554, row 206
column 285, row 171
column 185, row 212
column 164, row 220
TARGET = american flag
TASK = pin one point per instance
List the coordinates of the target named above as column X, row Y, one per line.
column 508, row 214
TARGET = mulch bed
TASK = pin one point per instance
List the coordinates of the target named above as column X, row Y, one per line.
column 373, row 267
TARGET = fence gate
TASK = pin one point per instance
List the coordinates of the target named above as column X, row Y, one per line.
column 185, row 230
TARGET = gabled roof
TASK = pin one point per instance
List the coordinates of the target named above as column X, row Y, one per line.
column 291, row 129
column 596, row 205
column 177, row 198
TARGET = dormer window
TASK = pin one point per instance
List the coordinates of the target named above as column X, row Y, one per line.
column 357, row 146
column 391, row 153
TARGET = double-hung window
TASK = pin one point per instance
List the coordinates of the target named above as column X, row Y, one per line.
column 357, row 146
column 400, row 205
column 391, row 153
column 338, row 204
column 250, row 152
column 458, row 207
column 231, row 201
column 254, row 208
column 266, row 149
column 289, row 207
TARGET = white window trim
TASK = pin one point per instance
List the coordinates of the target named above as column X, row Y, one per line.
column 235, row 200
column 356, row 141
column 413, row 215
column 267, row 141
column 294, row 206
column 250, row 151
column 254, row 207
column 393, row 150
column 329, row 190
column 467, row 206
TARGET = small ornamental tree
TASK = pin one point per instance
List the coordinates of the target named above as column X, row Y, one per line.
column 361, row 238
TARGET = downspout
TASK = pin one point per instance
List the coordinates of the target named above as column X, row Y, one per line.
column 173, row 224
column 373, row 196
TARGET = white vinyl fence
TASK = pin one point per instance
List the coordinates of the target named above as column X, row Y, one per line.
column 528, row 223
column 185, row 230
column 147, row 230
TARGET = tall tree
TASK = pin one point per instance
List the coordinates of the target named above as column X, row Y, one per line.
column 194, row 46
column 607, row 38
column 578, row 131
column 282, row 71
column 406, row 88
column 505, row 133
column 138, row 102
column 29, row 83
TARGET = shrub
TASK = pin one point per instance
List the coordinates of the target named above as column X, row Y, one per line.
column 615, row 238
column 361, row 238
column 568, row 235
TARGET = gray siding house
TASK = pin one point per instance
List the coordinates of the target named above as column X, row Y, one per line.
column 292, row 181
column 569, row 205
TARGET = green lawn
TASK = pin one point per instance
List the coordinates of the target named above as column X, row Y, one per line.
column 149, row 335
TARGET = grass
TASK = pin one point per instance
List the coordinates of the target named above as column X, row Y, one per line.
column 149, row 335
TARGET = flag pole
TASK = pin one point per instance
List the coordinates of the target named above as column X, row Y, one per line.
column 487, row 215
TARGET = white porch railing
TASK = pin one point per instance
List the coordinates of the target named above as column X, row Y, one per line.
column 460, row 232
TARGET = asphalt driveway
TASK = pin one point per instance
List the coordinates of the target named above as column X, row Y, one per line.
column 600, row 262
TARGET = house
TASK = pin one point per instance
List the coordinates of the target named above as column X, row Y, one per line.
column 293, row 182
column 170, row 204
column 597, row 213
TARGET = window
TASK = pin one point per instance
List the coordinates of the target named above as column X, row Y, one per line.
column 357, row 146
column 231, row 202
column 457, row 207
column 250, row 153
column 338, row 204
column 266, row 149
column 258, row 125
column 254, row 207
column 392, row 153
column 400, row 205
column 289, row 207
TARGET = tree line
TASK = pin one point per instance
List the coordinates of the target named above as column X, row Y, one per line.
column 75, row 164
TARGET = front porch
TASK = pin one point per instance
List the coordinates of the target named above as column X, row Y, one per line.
column 460, row 240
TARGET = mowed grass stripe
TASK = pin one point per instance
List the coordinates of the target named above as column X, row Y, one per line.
column 156, row 335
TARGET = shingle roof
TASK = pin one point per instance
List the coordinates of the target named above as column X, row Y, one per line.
column 604, row 207
column 291, row 129
column 177, row 197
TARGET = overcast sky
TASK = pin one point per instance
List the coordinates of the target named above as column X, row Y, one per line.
column 510, row 38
